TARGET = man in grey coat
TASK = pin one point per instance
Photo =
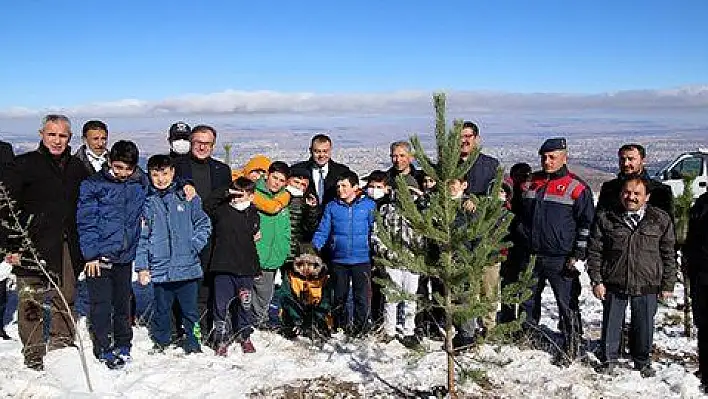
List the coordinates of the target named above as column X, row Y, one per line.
column 631, row 259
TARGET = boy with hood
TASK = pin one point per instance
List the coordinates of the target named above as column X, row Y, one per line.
column 305, row 297
column 174, row 231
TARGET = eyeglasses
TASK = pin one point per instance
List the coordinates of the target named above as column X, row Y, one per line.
column 204, row 143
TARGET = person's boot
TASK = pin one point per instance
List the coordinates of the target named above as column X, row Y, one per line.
column 3, row 335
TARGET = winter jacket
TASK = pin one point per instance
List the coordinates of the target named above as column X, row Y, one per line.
column 555, row 212
column 413, row 179
column 174, row 231
column 274, row 245
column 219, row 173
column 81, row 155
column 661, row 195
column 303, row 222
column 696, row 247
column 400, row 230
column 346, row 230
column 108, row 216
column 631, row 261
column 334, row 170
column 234, row 250
column 481, row 175
column 46, row 189
column 305, row 297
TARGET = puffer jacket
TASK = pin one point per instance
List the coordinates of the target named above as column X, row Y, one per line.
column 174, row 231
column 108, row 216
column 637, row 261
column 346, row 229
column 274, row 245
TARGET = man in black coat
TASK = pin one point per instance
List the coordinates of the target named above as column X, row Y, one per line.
column 324, row 170
column 45, row 183
column 631, row 164
column 207, row 175
column 696, row 255
column 484, row 170
column 94, row 152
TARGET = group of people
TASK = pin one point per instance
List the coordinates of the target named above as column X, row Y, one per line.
column 215, row 244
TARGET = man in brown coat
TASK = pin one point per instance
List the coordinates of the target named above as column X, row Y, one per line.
column 631, row 258
column 45, row 185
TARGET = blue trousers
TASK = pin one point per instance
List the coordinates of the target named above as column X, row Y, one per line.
column 642, row 324
column 109, row 295
column 232, row 298
column 551, row 269
column 359, row 276
column 185, row 293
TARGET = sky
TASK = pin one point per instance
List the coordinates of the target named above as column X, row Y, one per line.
column 69, row 54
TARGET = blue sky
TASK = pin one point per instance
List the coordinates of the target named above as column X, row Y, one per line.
column 78, row 52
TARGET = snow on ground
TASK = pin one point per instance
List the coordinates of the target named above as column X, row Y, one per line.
column 374, row 369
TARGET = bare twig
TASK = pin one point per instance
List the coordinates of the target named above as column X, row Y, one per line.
column 27, row 247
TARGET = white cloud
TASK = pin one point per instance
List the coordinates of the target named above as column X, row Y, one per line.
column 236, row 102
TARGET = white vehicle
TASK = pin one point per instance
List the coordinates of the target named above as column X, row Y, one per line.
column 689, row 163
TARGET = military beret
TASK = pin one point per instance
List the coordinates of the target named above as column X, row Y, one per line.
column 554, row 144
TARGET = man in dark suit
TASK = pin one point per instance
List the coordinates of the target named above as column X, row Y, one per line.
column 206, row 174
column 323, row 169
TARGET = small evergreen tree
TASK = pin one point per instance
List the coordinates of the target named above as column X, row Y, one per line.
column 457, row 254
column 682, row 209
column 227, row 153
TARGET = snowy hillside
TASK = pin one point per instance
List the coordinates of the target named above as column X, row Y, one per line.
column 281, row 368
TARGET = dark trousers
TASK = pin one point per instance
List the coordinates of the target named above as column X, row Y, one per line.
column 643, row 310
column 432, row 319
column 3, row 302
column 516, row 262
column 109, row 295
column 699, row 296
column 232, row 297
column 359, row 276
column 377, row 298
column 184, row 293
column 551, row 269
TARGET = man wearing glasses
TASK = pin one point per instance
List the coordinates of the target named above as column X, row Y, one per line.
column 207, row 175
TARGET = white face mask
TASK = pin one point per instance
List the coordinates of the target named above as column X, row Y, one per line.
column 376, row 193
column 294, row 191
column 456, row 196
column 241, row 206
column 181, row 146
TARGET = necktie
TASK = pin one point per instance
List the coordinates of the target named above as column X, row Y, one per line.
column 320, row 186
column 633, row 220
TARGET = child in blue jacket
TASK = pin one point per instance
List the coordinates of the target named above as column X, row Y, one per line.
column 108, row 220
column 174, row 232
column 346, row 228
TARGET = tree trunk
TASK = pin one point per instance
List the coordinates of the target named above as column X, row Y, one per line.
column 448, row 346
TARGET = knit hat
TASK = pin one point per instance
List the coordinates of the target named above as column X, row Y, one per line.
column 261, row 162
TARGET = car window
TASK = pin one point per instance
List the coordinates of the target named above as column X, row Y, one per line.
column 692, row 166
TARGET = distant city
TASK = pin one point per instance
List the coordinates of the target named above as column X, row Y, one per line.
column 362, row 143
